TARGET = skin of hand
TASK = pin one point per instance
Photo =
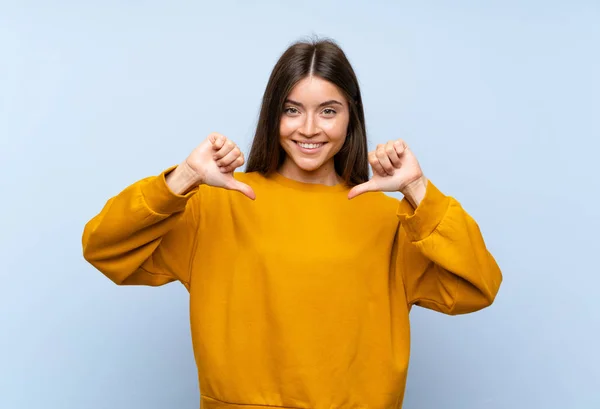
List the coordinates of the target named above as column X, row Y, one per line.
column 395, row 169
column 214, row 161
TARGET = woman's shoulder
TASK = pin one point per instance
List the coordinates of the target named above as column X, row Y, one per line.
column 379, row 201
column 249, row 177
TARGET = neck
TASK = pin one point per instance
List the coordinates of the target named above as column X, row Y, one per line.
column 325, row 175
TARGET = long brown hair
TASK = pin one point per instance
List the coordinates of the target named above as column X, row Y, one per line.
column 325, row 59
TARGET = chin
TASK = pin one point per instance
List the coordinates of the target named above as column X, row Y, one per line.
column 308, row 165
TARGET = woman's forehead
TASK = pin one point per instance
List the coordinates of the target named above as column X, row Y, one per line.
column 313, row 90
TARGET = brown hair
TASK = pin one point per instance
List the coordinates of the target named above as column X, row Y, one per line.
column 325, row 59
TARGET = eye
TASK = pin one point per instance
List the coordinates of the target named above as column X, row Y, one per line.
column 329, row 111
column 290, row 110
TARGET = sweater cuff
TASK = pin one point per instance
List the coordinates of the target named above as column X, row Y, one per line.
column 160, row 198
column 419, row 223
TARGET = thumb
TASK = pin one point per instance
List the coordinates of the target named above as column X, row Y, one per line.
column 242, row 188
column 369, row 186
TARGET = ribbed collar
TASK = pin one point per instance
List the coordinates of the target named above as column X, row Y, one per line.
column 304, row 186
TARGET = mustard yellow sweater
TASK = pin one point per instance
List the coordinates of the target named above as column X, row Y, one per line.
column 301, row 298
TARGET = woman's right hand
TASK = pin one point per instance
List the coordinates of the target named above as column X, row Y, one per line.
column 213, row 163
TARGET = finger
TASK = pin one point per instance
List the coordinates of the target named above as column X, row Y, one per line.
column 400, row 147
column 239, row 161
column 242, row 188
column 224, row 151
column 370, row 186
column 212, row 137
column 219, row 141
column 375, row 165
column 390, row 149
column 384, row 160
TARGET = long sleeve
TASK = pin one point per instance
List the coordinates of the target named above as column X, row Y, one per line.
column 145, row 235
column 442, row 256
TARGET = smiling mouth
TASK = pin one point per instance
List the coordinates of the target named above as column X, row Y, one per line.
column 310, row 146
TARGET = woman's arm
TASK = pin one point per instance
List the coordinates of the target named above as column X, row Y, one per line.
column 145, row 235
column 442, row 257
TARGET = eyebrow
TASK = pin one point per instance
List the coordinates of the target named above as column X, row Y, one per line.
column 322, row 104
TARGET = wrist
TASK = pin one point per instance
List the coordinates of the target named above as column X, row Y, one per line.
column 183, row 178
column 414, row 192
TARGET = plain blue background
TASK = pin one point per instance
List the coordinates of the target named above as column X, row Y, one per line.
column 499, row 99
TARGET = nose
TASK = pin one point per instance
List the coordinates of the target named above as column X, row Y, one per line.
column 309, row 128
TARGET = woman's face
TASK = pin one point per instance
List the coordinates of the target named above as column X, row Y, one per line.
column 313, row 128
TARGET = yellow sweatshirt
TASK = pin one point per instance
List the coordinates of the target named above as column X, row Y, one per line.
column 301, row 298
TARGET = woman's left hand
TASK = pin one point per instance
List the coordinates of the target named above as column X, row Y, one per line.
column 395, row 169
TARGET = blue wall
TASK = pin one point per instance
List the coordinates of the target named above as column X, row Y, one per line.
column 499, row 100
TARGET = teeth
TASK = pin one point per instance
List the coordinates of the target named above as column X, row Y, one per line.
column 310, row 145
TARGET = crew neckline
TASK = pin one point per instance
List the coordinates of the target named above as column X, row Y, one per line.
column 306, row 186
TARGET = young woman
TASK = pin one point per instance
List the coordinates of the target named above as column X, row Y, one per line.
column 301, row 272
